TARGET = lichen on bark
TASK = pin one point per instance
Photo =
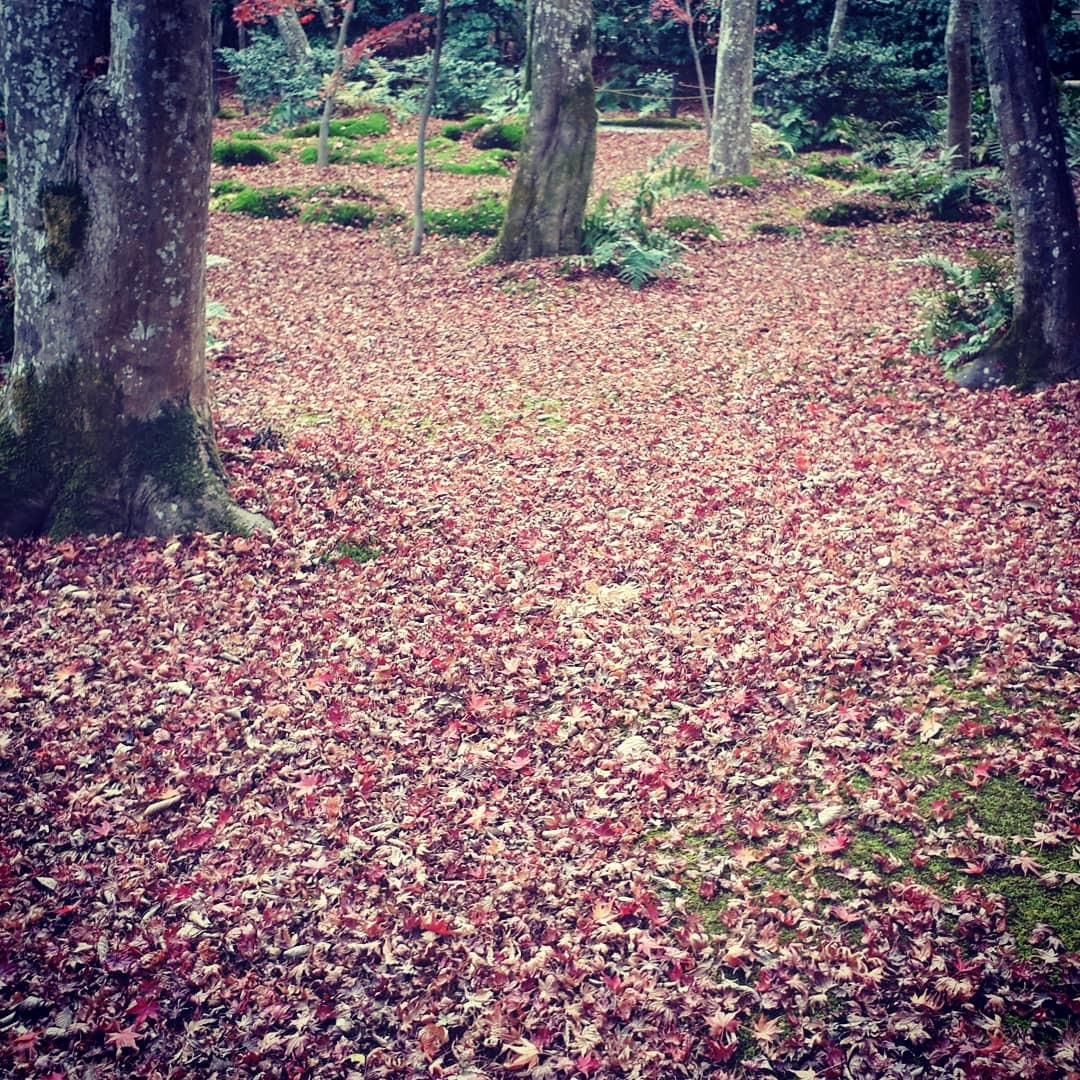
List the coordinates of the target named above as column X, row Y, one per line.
column 546, row 210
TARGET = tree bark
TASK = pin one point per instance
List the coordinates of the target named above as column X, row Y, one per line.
column 695, row 52
column 836, row 26
column 105, row 421
column 421, row 135
column 291, row 32
column 322, row 153
column 958, row 63
column 730, row 145
column 546, row 211
column 1043, row 342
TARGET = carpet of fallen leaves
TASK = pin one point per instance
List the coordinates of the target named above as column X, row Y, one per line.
column 614, row 697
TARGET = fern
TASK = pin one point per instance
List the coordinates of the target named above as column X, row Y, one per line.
column 619, row 239
column 971, row 312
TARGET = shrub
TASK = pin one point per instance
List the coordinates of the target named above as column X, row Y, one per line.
column 484, row 217
column 802, row 91
column 351, row 215
column 240, row 152
column 265, row 75
column 504, row 135
column 972, row 309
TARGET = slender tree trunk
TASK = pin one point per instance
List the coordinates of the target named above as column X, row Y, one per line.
column 730, row 143
column 291, row 32
column 546, row 211
column 1043, row 342
column 695, row 51
column 105, row 420
column 836, row 27
column 421, row 137
column 958, row 63
column 322, row 158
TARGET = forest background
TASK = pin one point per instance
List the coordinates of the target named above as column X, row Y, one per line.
column 664, row 681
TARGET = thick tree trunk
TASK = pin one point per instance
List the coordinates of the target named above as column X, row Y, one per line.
column 421, row 135
column 105, row 421
column 836, row 27
column 730, row 144
column 546, row 212
column 958, row 63
column 1043, row 342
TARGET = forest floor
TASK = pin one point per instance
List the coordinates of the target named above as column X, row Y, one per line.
column 669, row 683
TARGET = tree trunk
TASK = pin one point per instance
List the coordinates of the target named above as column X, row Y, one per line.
column 105, row 421
column 421, row 136
column 546, row 212
column 291, row 32
column 695, row 52
column 730, row 145
column 322, row 153
column 1043, row 342
column 958, row 62
column 836, row 27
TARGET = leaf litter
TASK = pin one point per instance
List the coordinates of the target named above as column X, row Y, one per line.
column 656, row 684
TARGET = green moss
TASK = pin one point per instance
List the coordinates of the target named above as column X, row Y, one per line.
column 353, row 127
column 483, row 218
column 76, row 465
column 351, row 215
column 465, row 127
column 690, row 226
column 240, row 152
column 504, row 135
column 63, row 213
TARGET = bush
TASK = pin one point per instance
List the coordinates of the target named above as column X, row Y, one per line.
column 924, row 179
column 484, row 217
column 802, row 92
column 240, row 152
column 266, row 75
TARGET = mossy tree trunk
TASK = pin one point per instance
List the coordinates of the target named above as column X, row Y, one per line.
column 1043, row 342
column 546, row 211
column 730, row 140
column 958, row 64
column 105, row 418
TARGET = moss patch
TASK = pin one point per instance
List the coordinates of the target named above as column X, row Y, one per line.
column 83, row 467
column 63, row 213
